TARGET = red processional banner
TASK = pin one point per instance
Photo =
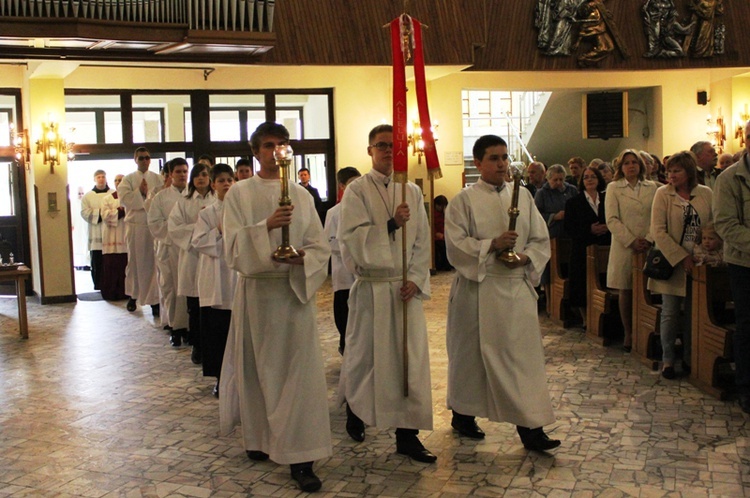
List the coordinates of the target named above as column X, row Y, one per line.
column 406, row 35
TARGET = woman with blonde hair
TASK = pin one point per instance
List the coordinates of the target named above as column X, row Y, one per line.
column 678, row 211
column 628, row 210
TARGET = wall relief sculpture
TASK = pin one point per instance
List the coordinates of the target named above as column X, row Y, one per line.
column 701, row 36
column 564, row 25
column 708, row 33
column 663, row 30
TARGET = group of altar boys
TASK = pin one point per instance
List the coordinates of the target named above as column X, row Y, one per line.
column 215, row 243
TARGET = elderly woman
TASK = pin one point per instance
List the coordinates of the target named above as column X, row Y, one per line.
column 586, row 224
column 679, row 209
column 607, row 172
column 551, row 199
column 628, row 208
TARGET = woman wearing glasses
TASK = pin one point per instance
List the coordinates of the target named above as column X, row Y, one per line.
column 586, row 224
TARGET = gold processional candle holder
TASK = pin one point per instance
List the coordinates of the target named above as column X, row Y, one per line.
column 284, row 155
column 509, row 255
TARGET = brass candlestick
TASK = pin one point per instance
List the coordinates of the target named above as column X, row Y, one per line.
column 509, row 255
column 284, row 155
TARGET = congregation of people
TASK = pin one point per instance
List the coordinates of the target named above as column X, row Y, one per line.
column 199, row 248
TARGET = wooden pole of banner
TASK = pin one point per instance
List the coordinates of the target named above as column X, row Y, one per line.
column 404, row 267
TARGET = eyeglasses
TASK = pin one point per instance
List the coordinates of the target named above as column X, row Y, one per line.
column 383, row 146
column 144, row 158
column 590, row 177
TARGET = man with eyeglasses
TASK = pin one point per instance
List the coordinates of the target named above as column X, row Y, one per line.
column 373, row 219
column 140, row 274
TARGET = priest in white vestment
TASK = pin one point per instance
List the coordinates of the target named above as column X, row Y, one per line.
column 167, row 254
column 272, row 377
column 370, row 232
column 114, row 249
column 140, row 274
column 494, row 344
column 91, row 212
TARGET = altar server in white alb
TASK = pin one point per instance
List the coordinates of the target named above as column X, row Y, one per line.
column 91, row 212
column 180, row 224
column 370, row 232
column 215, row 280
column 168, row 254
column 495, row 351
column 114, row 249
column 272, row 379
column 341, row 278
column 140, row 275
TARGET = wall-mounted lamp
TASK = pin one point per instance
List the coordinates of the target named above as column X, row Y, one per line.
column 51, row 145
column 415, row 139
column 716, row 132
column 20, row 142
column 740, row 131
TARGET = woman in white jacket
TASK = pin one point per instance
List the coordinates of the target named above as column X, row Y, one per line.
column 181, row 224
column 215, row 279
column 679, row 209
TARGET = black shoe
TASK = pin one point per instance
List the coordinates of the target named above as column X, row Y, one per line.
column 745, row 402
column 306, row 479
column 215, row 390
column 467, row 426
column 196, row 356
column 256, row 455
column 686, row 368
column 155, row 311
column 412, row 447
column 668, row 373
column 536, row 439
column 167, row 327
column 354, row 425
column 131, row 304
column 174, row 340
column 627, row 349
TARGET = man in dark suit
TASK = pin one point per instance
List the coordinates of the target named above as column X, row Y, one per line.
column 304, row 180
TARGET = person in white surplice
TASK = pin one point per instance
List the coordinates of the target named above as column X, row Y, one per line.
column 140, row 274
column 168, row 254
column 91, row 212
column 272, row 377
column 370, row 233
column 495, row 351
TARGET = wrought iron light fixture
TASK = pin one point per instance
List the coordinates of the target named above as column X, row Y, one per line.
column 415, row 139
column 19, row 139
column 51, row 145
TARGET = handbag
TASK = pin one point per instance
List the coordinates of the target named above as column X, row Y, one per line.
column 657, row 267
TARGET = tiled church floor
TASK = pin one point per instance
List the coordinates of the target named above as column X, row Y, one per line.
column 96, row 403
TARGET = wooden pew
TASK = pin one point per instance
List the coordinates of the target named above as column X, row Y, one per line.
column 559, row 292
column 712, row 333
column 646, row 317
column 600, row 300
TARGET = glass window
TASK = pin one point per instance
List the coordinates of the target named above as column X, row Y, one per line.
column 225, row 126
column 6, row 117
column 112, row 127
column 316, row 163
column 254, row 119
column 148, row 126
column 6, row 189
column 228, row 112
column 169, row 126
column 312, row 112
column 86, row 119
column 83, row 124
